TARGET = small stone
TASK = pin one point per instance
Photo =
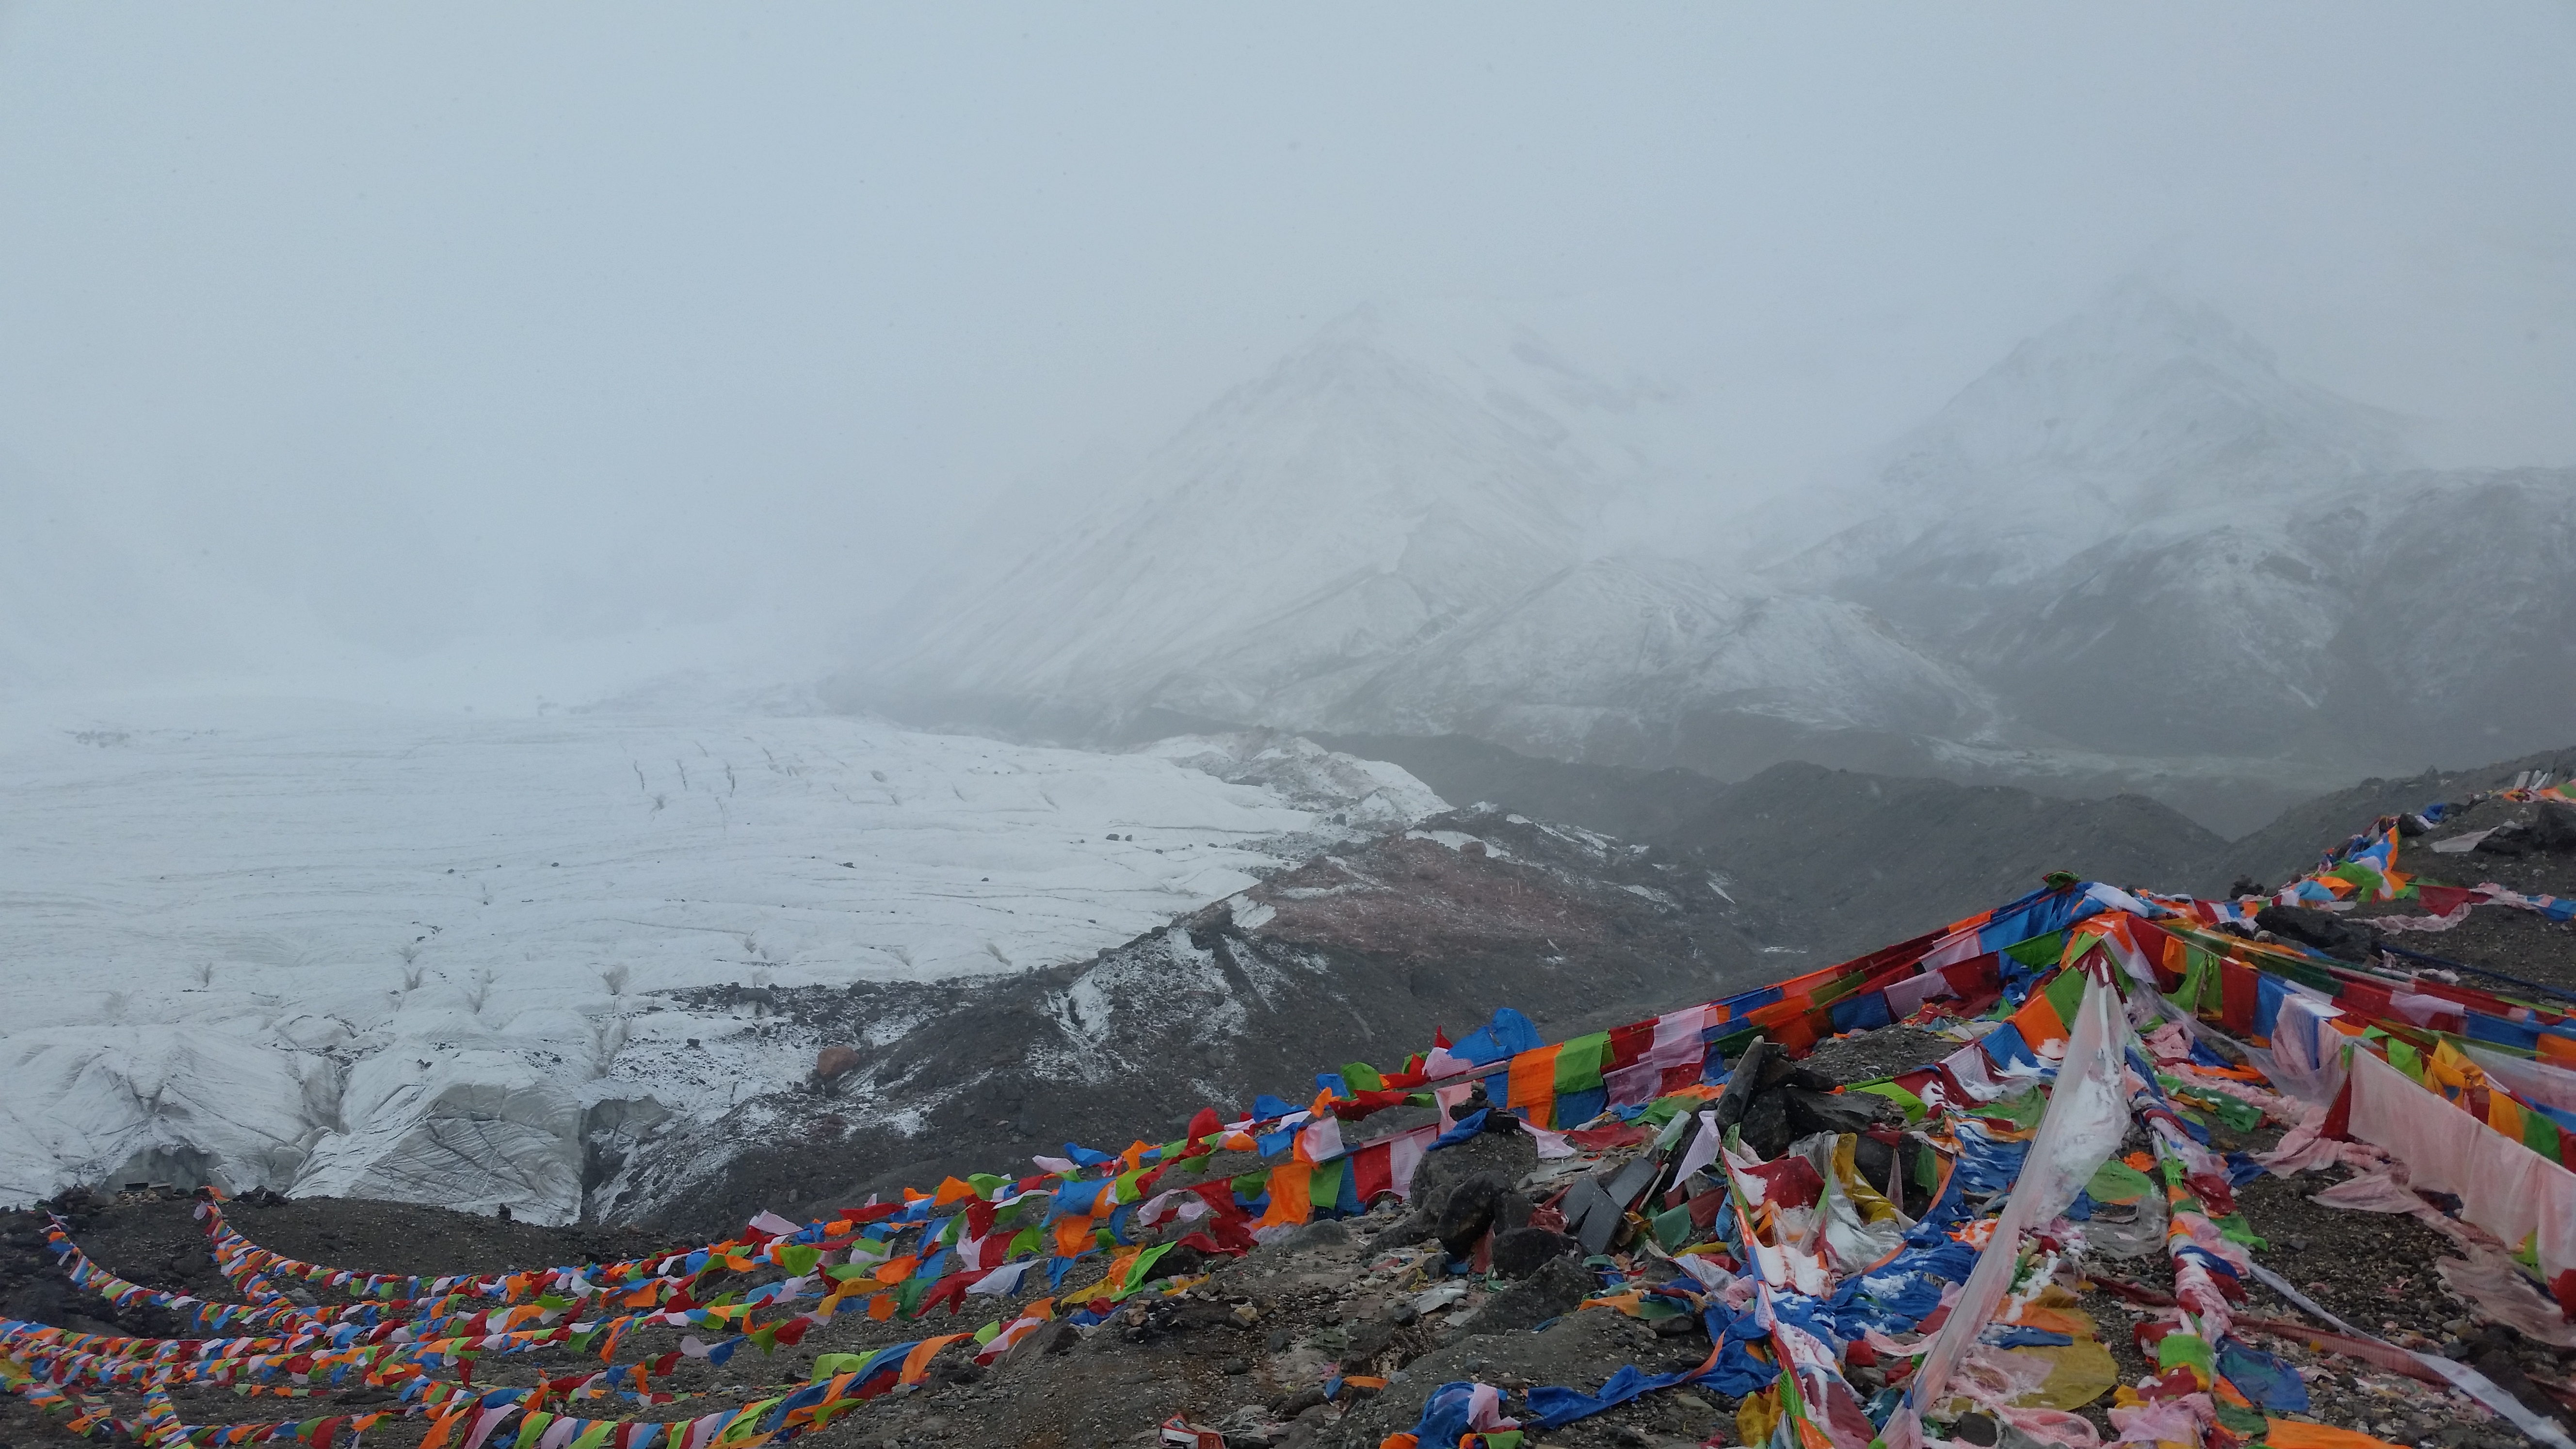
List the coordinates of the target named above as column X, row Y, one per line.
column 1246, row 1314
column 1299, row 1402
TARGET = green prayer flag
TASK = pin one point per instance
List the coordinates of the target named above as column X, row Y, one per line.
column 1362, row 1077
column 1140, row 1271
column 2185, row 1350
column 2041, row 951
column 2541, row 1135
column 2235, row 1229
column 1915, row 1111
column 1324, row 1188
column 2117, row 1182
column 2065, row 994
column 1578, row 1063
column 1673, row 1227
column 2241, row 1422
column 2406, row 1059
column 908, row 1295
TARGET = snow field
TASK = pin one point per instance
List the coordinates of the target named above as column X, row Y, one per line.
column 417, row 956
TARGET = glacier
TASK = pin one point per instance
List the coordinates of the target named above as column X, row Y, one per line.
column 391, row 953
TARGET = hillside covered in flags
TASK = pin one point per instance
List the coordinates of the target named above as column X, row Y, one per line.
column 2014, row 1180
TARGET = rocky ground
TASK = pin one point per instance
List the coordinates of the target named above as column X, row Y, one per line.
column 1248, row 1346
column 1359, row 954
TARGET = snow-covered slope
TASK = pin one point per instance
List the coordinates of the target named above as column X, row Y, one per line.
column 1387, row 533
column 2133, row 555
column 2139, row 497
column 431, row 958
column 2143, row 417
column 1615, row 660
column 1367, row 494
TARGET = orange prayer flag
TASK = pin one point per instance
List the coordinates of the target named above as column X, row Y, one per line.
column 916, row 1364
column 445, row 1428
column 2038, row 1020
column 1073, row 1236
column 1288, row 1201
column 1532, row 1085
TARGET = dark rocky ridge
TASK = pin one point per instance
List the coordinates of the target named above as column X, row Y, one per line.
column 1357, row 955
column 1836, row 862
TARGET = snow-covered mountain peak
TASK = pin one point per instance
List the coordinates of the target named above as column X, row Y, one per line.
column 2140, row 402
column 1374, row 485
column 2142, row 417
column 1487, row 354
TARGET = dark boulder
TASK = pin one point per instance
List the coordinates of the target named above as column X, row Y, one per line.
column 1766, row 1125
column 1367, row 1344
column 1556, row 1289
column 1813, row 1112
column 2553, row 828
column 1051, row 1337
column 1474, row 1208
column 2322, row 930
column 2508, row 840
column 1522, row 1251
column 1510, row 1158
column 1744, row 1081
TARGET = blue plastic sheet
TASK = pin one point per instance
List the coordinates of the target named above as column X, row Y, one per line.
column 1444, row 1415
column 2261, row 1378
column 1507, row 1034
column 1734, row 1373
column 1465, row 1128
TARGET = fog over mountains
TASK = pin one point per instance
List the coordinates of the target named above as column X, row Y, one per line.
column 2133, row 555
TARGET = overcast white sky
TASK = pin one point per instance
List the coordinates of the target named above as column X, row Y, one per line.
column 468, row 329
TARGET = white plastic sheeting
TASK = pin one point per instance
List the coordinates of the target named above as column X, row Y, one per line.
column 2088, row 1114
column 2503, row 1186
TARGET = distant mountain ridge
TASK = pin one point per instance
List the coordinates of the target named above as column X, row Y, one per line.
column 2133, row 555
